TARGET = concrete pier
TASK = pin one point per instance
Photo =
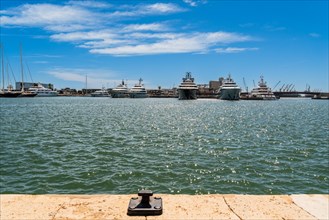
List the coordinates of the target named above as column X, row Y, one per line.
column 212, row 206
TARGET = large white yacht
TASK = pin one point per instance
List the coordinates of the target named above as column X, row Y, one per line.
column 262, row 92
column 100, row 93
column 229, row 90
column 138, row 91
column 187, row 89
column 121, row 91
column 41, row 91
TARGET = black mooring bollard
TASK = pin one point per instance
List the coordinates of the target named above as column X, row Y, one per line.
column 145, row 204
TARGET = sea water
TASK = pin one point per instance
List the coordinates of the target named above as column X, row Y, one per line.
column 81, row 145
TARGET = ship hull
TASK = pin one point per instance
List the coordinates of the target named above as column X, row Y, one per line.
column 99, row 95
column 187, row 94
column 229, row 94
column 120, row 95
column 27, row 95
column 9, row 94
column 259, row 98
column 138, row 95
column 46, row 95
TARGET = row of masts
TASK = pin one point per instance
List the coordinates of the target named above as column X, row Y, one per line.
column 3, row 70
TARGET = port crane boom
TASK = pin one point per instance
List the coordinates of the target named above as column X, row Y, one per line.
column 276, row 85
column 245, row 85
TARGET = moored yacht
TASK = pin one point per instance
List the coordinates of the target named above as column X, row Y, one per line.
column 100, row 93
column 138, row 91
column 229, row 90
column 6, row 93
column 121, row 91
column 187, row 89
column 262, row 92
column 9, row 93
column 41, row 91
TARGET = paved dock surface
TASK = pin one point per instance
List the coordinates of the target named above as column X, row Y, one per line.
column 213, row 206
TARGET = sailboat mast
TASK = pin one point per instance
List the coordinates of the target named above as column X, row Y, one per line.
column 2, row 69
column 22, row 70
column 86, row 85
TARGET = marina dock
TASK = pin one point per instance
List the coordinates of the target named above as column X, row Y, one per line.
column 213, row 206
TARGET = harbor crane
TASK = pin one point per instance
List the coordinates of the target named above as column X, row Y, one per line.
column 276, row 85
column 286, row 88
column 245, row 85
column 290, row 86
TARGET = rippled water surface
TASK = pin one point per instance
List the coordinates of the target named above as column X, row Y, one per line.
column 118, row 146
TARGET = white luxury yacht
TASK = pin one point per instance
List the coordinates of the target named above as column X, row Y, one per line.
column 229, row 90
column 187, row 89
column 138, row 91
column 100, row 93
column 121, row 91
column 41, row 91
column 262, row 92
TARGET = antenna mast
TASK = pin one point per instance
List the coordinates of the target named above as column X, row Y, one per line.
column 2, row 69
column 22, row 70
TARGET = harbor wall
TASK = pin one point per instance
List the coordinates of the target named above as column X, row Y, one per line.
column 213, row 206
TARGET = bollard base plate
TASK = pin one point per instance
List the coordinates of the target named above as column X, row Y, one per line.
column 137, row 208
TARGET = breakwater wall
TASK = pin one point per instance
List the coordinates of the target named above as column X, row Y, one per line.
column 213, row 206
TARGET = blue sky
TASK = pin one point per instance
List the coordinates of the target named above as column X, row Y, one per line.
column 63, row 41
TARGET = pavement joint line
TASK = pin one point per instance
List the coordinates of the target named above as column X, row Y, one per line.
column 227, row 206
column 302, row 208
column 231, row 208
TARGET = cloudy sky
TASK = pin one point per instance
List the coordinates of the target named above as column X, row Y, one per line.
column 107, row 41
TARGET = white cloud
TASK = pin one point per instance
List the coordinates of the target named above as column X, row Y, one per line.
column 99, row 28
column 184, row 43
column 161, row 8
column 167, row 46
column 66, row 27
column 36, row 15
column 95, row 78
column 82, row 15
column 235, row 49
column 145, row 27
column 138, row 35
column 145, row 9
column 315, row 35
column 194, row 3
column 90, row 4
column 83, row 36
column 190, row 2
column 55, row 18
column 104, row 43
column 67, row 75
